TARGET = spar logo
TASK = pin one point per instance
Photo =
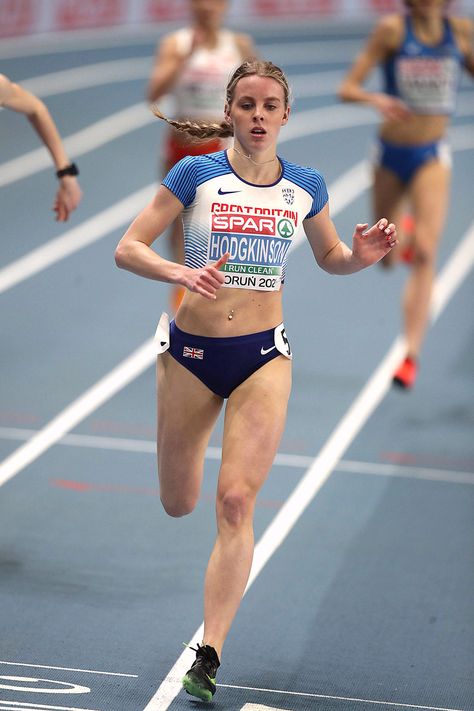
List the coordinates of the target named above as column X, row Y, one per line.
column 244, row 224
column 285, row 228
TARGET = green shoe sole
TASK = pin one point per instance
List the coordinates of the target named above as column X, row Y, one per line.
column 193, row 688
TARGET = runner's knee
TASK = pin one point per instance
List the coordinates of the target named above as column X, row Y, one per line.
column 424, row 254
column 234, row 507
column 179, row 505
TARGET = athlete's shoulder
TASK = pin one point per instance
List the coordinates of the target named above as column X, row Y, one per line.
column 245, row 46
column 192, row 171
column 306, row 177
column 463, row 29
column 177, row 42
column 210, row 165
column 206, row 161
column 389, row 31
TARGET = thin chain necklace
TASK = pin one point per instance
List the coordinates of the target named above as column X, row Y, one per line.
column 244, row 155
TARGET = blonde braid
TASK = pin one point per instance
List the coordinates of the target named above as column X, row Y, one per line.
column 210, row 129
column 198, row 129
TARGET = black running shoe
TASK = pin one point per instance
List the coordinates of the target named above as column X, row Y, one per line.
column 200, row 680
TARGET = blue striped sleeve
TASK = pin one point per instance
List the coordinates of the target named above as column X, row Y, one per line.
column 310, row 180
column 182, row 180
column 320, row 194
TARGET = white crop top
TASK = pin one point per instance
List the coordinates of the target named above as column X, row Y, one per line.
column 200, row 90
column 256, row 224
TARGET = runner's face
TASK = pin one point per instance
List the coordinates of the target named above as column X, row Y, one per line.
column 208, row 13
column 257, row 112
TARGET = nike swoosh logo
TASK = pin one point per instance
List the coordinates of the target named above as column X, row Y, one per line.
column 264, row 351
column 227, row 192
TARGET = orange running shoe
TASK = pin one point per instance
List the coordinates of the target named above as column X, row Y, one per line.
column 406, row 374
column 407, row 254
column 408, row 225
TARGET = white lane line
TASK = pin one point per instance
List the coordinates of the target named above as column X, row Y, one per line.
column 77, row 144
column 82, row 407
column 89, row 75
column 81, row 40
column 84, row 671
column 138, row 34
column 282, row 459
column 122, row 70
column 406, row 472
column 16, row 705
column 254, row 707
column 75, row 239
column 457, row 268
column 320, row 470
column 309, row 52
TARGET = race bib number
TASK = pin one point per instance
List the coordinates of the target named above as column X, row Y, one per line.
column 281, row 341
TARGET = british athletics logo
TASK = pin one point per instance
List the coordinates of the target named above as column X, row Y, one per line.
column 189, row 352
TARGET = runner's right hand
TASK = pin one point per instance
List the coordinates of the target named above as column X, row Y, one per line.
column 207, row 280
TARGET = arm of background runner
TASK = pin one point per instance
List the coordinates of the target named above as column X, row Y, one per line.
column 169, row 63
column 383, row 41
column 464, row 31
column 14, row 97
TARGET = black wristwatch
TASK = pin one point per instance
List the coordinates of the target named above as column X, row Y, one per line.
column 71, row 169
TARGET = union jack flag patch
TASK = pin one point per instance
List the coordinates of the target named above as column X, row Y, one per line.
column 193, row 352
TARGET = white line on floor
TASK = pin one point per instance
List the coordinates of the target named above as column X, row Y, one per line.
column 79, row 143
column 133, row 68
column 85, row 671
column 103, row 390
column 295, row 52
column 282, row 459
column 75, row 239
column 254, row 707
column 17, row 705
column 320, row 470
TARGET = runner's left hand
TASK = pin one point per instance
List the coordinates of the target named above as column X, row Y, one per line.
column 372, row 244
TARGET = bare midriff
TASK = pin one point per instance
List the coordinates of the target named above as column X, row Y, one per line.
column 250, row 311
column 415, row 131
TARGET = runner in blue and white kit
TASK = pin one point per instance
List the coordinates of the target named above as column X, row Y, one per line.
column 421, row 54
column 241, row 210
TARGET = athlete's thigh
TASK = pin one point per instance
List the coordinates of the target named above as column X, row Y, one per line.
column 388, row 195
column 388, row 200
column 254, row 422
column 429, row 195
column 187, row 413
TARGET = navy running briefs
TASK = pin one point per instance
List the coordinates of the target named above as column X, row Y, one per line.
column 222, row 364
